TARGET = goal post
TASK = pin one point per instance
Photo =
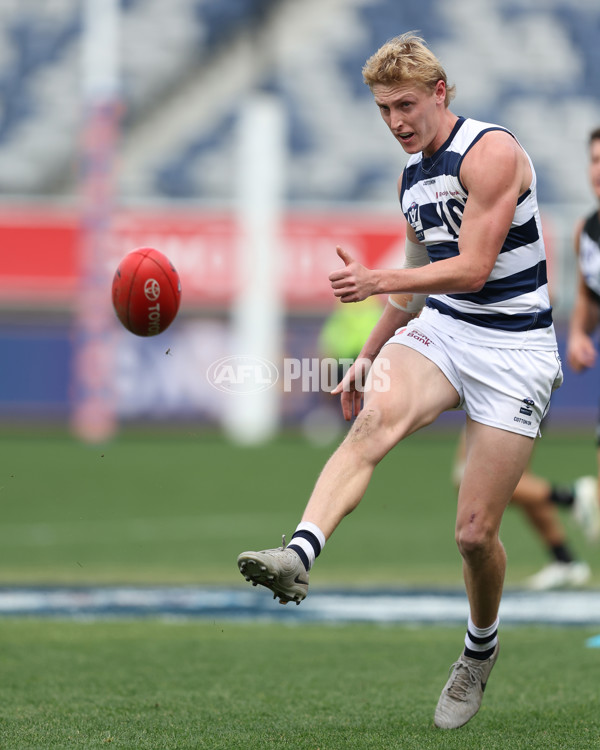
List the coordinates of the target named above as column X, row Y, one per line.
column 93, row 410
column 257, row 310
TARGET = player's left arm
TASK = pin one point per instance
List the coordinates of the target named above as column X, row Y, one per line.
column 495, row 172
column 584, row 320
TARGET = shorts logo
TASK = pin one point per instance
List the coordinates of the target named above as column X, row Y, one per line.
column 527, row 410
column 416, row 334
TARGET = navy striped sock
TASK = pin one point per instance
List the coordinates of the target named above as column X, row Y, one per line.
column 307, row 541
column 481, row 642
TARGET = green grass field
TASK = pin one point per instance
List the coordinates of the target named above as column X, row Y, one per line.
column 224, row 686
column 177, row 509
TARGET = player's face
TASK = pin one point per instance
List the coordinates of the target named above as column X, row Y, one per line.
column 595, row 166
column 413, row 114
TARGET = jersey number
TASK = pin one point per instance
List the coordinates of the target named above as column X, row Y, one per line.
column 450, row 212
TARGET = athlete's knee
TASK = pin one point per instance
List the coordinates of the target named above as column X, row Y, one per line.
column 476, row 537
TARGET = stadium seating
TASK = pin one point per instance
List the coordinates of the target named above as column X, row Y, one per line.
column 529, row 65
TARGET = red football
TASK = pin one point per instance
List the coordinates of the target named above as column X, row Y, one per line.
column 146, row 292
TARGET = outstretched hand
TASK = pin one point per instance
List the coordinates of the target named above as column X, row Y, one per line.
column 352, row 386
column 354, row 282
column 581, row 352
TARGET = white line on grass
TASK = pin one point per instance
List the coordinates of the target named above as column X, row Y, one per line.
column 384, row 607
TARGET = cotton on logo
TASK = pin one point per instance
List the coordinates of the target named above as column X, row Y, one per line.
column 242, row 374
column 152, row 290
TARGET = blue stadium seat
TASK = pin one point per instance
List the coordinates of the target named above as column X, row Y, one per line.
column 36, row 46
column 176, row 180
column 223, row 18
column 38, row 43
column 584, row 28
column 379, row 21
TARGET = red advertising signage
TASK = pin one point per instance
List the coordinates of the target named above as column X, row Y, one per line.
column 40, row 250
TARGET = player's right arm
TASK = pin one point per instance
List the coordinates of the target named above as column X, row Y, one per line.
column 585, row 317
column 350, row 388
column 400, row 308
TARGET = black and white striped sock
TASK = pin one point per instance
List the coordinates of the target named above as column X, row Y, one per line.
column 307, row 541
column 481, row 642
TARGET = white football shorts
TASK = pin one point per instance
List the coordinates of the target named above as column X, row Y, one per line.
column 505, row 388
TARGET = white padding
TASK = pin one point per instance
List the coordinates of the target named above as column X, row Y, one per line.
column 415, row 256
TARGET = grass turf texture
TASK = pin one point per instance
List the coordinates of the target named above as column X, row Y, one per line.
column 150, row 684
column 179, row 508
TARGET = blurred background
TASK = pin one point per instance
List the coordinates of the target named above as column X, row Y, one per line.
column 237, row 137
column 134, row 127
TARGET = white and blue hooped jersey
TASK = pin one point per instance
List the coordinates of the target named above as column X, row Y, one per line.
column 513, row 309
column 589, row 253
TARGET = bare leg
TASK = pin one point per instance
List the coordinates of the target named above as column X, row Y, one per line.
column 387, row 417
column 416, row 393
column 495, row 461
column 532, row 495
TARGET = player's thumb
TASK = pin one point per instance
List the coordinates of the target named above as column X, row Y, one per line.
column 344, row 255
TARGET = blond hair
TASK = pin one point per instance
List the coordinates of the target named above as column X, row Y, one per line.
column 406, row 58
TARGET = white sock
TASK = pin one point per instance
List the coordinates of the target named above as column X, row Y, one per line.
column 308, row 541
column 481, row 642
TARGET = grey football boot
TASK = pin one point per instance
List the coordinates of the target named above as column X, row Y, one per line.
column 280, row 570
column 462, row 695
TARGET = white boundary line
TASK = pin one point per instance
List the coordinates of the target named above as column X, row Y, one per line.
column 386, row 607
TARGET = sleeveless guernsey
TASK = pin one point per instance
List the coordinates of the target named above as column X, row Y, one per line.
column 589, row 253
column 513, row 308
